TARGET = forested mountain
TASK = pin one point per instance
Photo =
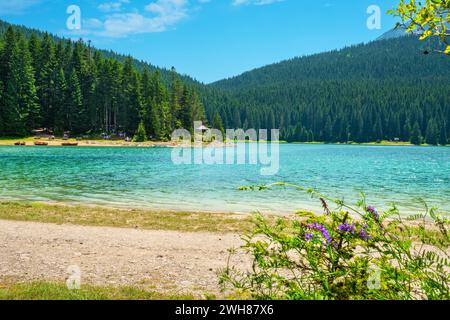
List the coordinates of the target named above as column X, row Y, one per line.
column 385, row 89
column 69, row 86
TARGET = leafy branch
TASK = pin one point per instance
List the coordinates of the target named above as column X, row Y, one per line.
column 430, row 18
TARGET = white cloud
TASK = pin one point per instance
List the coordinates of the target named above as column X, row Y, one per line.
column 254, row 2
column 112, row 6
column 16, row 6
column 92, row 23
column 157, row 16
column 168, row 11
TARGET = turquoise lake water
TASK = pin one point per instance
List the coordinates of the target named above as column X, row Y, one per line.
column 147, row 178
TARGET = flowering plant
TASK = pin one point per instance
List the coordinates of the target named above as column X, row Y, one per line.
column 347, row 253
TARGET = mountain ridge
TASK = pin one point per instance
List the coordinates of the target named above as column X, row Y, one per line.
column 382, row 90
column 338, row 60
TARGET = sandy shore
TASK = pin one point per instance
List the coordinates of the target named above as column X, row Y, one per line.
column 170, row 144
column 158, row 260
column 92, row 143
column 102, row 143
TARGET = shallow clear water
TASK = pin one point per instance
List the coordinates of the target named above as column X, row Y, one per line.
column 146, row 177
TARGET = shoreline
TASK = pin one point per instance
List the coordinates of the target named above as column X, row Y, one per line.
column 89, row 143
column 169, row 144
column 135, row 218
column 140, row 218
column 313, row 206
column 58, row 142
column 177, row 208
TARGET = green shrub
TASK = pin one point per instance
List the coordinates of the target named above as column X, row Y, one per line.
column 349, row 253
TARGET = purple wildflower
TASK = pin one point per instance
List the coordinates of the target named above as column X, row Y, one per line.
column 321, row 229
column 346, row 227
column 309, row 236
column 373, row 212
column 363, row 233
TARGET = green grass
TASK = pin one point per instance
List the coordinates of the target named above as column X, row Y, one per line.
column 56, row 291
column 137, row 218
column 160, row 220
column 386, row 143
column 431, row 236
column 13, row 140
column 380, row 143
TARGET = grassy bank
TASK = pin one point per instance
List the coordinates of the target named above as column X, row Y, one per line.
column 138, row 219
column 59, row 291
column 384, row 143
column 161, row 220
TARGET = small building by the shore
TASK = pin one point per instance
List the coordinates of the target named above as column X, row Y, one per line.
column 202, row 129
column 43, row 133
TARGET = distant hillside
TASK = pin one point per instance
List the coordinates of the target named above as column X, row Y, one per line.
column 384, row 89
column 395, row 58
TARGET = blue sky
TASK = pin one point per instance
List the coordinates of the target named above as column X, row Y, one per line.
column 207, row 39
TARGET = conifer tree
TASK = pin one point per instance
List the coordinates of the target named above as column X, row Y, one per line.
column 77, row 114
column 218, row 124
column 176, row 95
column 237, row 119
column 14, row 116
column 141, row 135
column 62, row 112
column 26, row 91
column 432, row 133
column 160, row 109
column 1, row 108
column 443, row 139
column 35, row 48
column 147, row 102
column 130, row 106
column 46, row 80
column 416, row 136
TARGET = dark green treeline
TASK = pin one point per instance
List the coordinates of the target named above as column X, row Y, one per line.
column 383, row 90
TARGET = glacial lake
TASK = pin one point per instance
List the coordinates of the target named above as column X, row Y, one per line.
column 148, row 178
